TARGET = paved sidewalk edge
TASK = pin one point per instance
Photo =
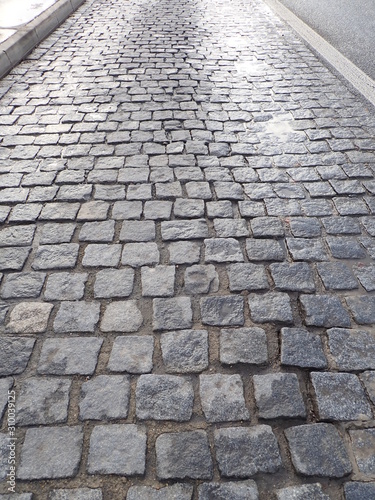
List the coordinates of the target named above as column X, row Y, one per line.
column 355, row 76
column 20, row 44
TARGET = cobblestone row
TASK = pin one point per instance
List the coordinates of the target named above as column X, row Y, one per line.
column 186, row 261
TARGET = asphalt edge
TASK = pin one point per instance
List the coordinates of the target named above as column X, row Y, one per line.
column 351, row 73
column 15, row 48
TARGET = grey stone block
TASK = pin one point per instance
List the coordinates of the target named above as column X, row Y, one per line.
column 140, row 254
column 185, row 351
column 76, row 494
column 307, row 249
column 359, row 491
column 132, row 354
column 183, row 455
column 278, row 395
column 105, row 397
column 97, row 231
column 222, row 398
column 65, row 286
column 111, row 283
column 340, row 396
column 157, row 210
column 366, row 275
column 121, row 316
column 158, row 281
column 15, row 353
column 118, row 449
column 227, row 228
column 302, row 348
column 267, row 227
column 5, row 385
column 244, row 451
column 363, row 443
column 336, row 276
column 184, row 208
column 324, row 310
column 222, row 311
column 295, row 277
column 178, row 491
column 164, row 397
column 136, row 231
column 243, row 345
column 247, row 277
column 76, row 317
column 63, row 256
column 184, row 229
column 184, row 252
column 39, row 459
column 101, row 255
column 305, row 227
column 362, row 308
column 304, row 492
column 93, row 210
column 368, row 380
column 318, row 450
column 264, row 249
column 223, row 250
column 17, row 236
column 171, row 314
column 69, row 356
column 271, row 307
column 127, row 210
column 201, row 279
column 13, row 259
column 22, row 285
column 29, row 317
column 240, row 490
column 352, row 349
column 56, row 232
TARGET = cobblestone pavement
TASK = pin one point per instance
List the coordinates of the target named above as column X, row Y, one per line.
column 187, row 307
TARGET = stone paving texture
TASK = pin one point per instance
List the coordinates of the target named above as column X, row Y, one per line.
column 186, row 261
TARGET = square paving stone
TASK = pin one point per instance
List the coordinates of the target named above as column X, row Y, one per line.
column 117, row 449
column 243, row 345
column 132, row 354
column 15, row 353
column 184, row 252
column 29, row 317
column 183, row 455
column 336, row 276
column 247, row 277
column 324, row 310
column 270, row 307
column 366, row 275
column 340, row 397
column 127, row 210
column 13, row 259
column 305, row 227
column 241, row 490
column 222, row 311
column 223, row 250
column 352, row 349
column 363, row 445
column 368, row 380
column 39, row 459
column 121, row 316
column 318, row 450
column 93, row 210
column 43, row 401
column 267, row 227
column 76, row 494
column 140, row 254
column 307, row 249
column 110, row 283
column 105, row 397
column 263, row 249
column 222, row 398
column 304, row 492
column 178, row 491
column 345, row 247
column 102, row 255
column 302, row 348
column 184, row 229
column 136, row 231
column 97, row 231
column 359, row 491
column 164, row 397
column 295, row 277
column 65, row 286
column 76, row 317
column 63, row 256
column 172, row 314
column 69, row 356
column 362, row 308
column 17, row 236
column 185, row 351
column 278, row 395
column 22, row 285
column 56, row 232
column 201, row 279
column 158, row 281
column 244, row 451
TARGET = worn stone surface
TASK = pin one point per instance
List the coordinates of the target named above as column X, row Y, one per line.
column 76, row 317
column 274, row 306
column 65, row 286
column 15, row 354
column 247, row 277
column 158, row 281
column 132, row 354
column 29, row 317
column 121, row 316
column 304, row 492
column 324, row 310
column 178, row 491
column 243, row 345
column 222, row 311
column 111, row 283
column 359, row 491
column 241, row 490
column 302, row 348
column 352, row 349
column 363, row 442
column 201, row 279
column 185, row 351
column 105, row 397
column 170, row 314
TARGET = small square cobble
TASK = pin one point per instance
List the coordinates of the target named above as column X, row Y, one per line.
column 295, row 277
column 243, row 345
column 300, row 347
column 15, row 353
column 200, row 279
column 158, row 281
column 136, row 231
column 101, row 255
column 223, row 250
column 132, row 354
column 324, row 310
column 63, row 256
column 121, row 316
column 171, row 314
column 363, row 443
column 362, row 308
column 271, row 307
column 222, row 311
column 359, row 491
column 111, row 283
column 264, row 249
column 185, row 351
column 22, row 285
column 29, row 317
column 65, row 286
column 140, row 254
column 245, row 276
column 352, row 349
column 184, row 252
column 105, row 397
column 76, row 317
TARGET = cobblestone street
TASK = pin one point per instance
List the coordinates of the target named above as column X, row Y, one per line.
column 187, row 270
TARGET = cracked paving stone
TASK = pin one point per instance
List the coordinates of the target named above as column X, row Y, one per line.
column 178, row 491
column 244, row 276
column 336, row 276
column 105, row 397
column 63, row 256
column 273, row 306
column 264, row 249
column 352, row 349
column 76, row 494
column 222, row 398
column 304, row 492
column 363, row 444
column 22, row 285
column 244, row 451
column 76, row 317
column 324, row 310
column 164, row 397
column 39, row 459
column 278, row 395
column 318, row 450
column 43, row 401
column 222, row 311
column 13, row 259
column 184, row 229
column 117, row 449
column 29, row 317
column 243, row 345
column 15, row 353
column 183, row 455
column 158, row 281
column 223, row 250
column 241, row 490
column 65, row 286
column 111, row 283
column 340, row 397
column 140, row 254
column 362, row 308
column 302, row 348
column 121, row 316
column 359, row 491
column 69, row 356
column 102, row 255
column 185, row 351
column 172, row 314
column 132, row 354
column 201, row 279
column 295, row 277
column 307, row 249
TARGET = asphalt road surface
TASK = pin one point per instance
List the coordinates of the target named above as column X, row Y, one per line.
column 346, row 24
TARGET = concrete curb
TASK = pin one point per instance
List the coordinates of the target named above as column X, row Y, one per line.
column 20, row 44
